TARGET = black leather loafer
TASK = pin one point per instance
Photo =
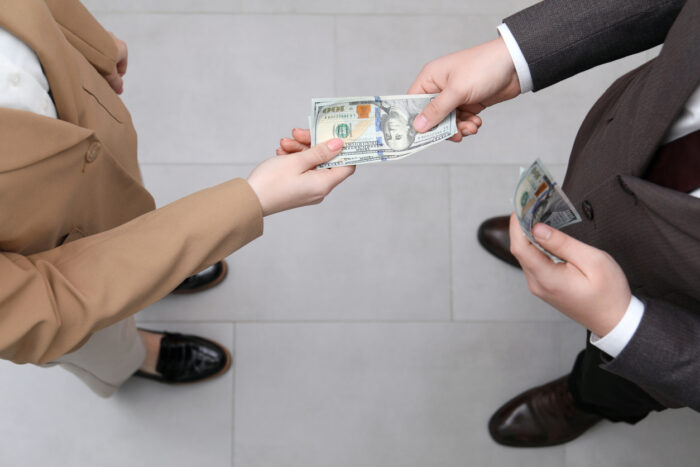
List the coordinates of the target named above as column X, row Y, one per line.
column 494, row 236
column 204, row 280
column 188, row 359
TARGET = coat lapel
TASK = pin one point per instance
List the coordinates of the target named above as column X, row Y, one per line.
column 668, row 82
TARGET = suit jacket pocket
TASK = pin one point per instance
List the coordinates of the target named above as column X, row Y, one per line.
column 676, row 209
column 100, row 92
column 669, row 228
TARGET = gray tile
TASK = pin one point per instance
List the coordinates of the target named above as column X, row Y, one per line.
column 51, row 418
column 669, row 438
column 221, row 88
column 394, row 49
column 100, row 6
column 572, row 341
column 385, row 394
column 388, row 7
column 485, row 288
column 377, row 248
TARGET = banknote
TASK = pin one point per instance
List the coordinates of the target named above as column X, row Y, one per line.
column 538, row 198
column 375, row 128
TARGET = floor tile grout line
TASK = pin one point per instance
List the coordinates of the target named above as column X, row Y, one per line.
column 398, row 322
column 450, row 246
column 234, row 366
column 296, row 14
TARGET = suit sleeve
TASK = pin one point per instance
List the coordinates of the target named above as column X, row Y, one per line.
column 51, row 302
column 85, row 34
column 663, row 355
column 560, row 38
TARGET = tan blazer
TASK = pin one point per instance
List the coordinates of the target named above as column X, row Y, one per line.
column 81, row 246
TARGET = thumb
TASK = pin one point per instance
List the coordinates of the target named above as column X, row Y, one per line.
column 564, row 246
column 437, row 109
column 320, row 153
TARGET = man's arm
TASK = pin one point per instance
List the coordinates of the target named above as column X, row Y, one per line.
column 592, row 289
column 662, row 355
column 560, row 38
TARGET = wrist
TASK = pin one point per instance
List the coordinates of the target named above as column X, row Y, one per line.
column 252, row 182
column 520, row 67
column 505, row 57
column 608, row 320
column 502, row 74
column 615, row 341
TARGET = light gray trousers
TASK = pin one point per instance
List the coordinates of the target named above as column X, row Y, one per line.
column 108, row 358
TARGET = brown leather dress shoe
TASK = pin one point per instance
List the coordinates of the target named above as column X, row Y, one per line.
column 211, row 276
column 494, row 236
column 543, row 416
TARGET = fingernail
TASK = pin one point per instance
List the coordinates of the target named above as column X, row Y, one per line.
column 335, row 144
column 420, row 123
column 542, row 232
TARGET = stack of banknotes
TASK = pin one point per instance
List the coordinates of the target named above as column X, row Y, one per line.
column 538, row 198
column 375, row 128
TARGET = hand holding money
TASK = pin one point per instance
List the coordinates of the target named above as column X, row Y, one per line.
column 375, row 128
column 300, row 141
column 287, row 182
column 538, row 198
column 469, row 81
column 588, row 287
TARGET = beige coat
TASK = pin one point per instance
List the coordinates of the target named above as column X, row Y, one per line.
column 81, row 246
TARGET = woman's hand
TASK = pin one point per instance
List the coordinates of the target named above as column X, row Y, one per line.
column 300, row 141
column 115, row 78
column 291, row 180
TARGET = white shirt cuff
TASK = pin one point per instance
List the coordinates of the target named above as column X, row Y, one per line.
column 521, row 66
column 616, row 340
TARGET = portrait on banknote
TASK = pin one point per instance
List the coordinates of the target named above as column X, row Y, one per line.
column 375, row 128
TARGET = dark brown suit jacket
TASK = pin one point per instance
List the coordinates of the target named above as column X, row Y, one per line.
column 653, row 232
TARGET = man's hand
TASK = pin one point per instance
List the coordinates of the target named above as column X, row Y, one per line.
column 469, row 81
column 291, row 180
column 589, row 288
column 115, row 78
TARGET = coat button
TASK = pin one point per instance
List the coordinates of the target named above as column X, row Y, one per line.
column 93, row 151
column 587, row 210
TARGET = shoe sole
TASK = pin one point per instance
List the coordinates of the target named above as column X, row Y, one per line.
column 208, row 285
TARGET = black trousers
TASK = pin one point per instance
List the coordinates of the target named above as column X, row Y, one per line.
column 599, row 391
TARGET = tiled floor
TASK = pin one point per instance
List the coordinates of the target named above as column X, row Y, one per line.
column 370, row 330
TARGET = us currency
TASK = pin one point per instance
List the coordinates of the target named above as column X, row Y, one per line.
column 375, row 128
column 538, row 198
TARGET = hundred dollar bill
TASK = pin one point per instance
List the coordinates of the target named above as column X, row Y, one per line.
column 538, row 198
column 375, row 128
